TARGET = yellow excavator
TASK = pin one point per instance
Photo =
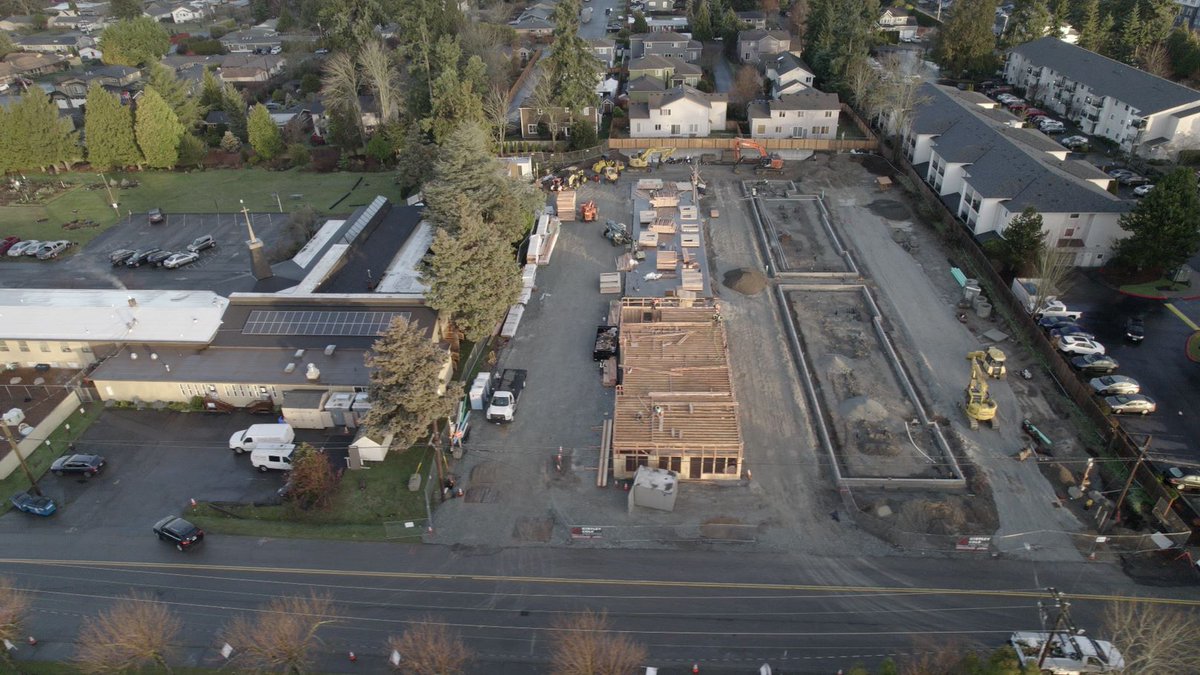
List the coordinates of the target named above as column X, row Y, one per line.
column 980, row 406
column 991, row 362
column 642, row 160
column 605, row 163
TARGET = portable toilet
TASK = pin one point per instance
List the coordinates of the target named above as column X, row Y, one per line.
column 479, row 391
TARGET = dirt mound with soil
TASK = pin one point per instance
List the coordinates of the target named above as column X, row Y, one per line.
column 745, row 281
column 863, row 409
column 889, row 208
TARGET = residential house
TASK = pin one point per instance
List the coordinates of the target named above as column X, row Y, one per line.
column 295, row 123
column 113, row 78
column 680, row 112
column 65, row 43
column 665, row 43
column 672, row 72
column 808, row 114
column 535, row 120
column 244, row 68
column 175, row 13
column 788, row 75
column 639, row 90
column 533, row 27
column 521, row 52
column 605, row 50
column 91, row 54
column 251, row 40
column 659, row 5
column 756, row 46
column 987, row 170
column 17, row 22
column 606, row 91
column 666, row 24
column 899, row 21
column 1142, row 113
column 753, row 20
column 25, row 64
column 1188, row 14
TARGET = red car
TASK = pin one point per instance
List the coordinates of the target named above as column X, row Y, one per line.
column 7, row 243
column 1033, row 113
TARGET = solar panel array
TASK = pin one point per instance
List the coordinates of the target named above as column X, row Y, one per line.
column 298, row 322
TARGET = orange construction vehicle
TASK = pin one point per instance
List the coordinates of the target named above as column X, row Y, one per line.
column 587, row 211
column 766, row 160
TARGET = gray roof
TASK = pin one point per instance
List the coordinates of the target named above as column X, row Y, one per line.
column 260, row 366
column 1142, row 91
column 639, row 111
column 650, row 62
column 787, row 62
column 809, row 99
column 645, row 83
column 1008, row 163
column 756, row 34
column 681, row 92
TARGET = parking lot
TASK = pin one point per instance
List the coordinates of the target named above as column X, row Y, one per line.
column 222, row 269
column 156, row 463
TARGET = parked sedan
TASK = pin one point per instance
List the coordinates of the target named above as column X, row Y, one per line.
column 18, row 249
column 137, row 259
column 86, row 465
column 157, row 217
column 158, row 257
column 1133, row 403
column 1143, row 190
column 1097, row 364
column 180, row 259
column 120, row 256
column 1133, row 179
column 1069, row 329
column 1070, row 344
column 1182, row 479
column 1112, row 385
column 1119, row 173
column 52, row 249
column 38, row 506
column 7, row 243
column 1075, row 142
column 178, row 531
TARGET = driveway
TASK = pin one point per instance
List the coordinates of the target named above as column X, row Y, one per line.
column 156, row 462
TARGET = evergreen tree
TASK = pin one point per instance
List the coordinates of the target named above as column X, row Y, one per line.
column 471, row 170
column 43, row 138
column 125, row 9
column 175, row 93
column 454, row 101
column 1091, row 30
column 838, row 34
column 212, row 93
column 966, row 43
column 1023, row 239
column 108, row 131
column 6, row 45
column 1133, row 36
column 134, row 42
column 405, row 387
column 701, row 20
column 1162, row 227
column 10, row 141
column 1030, row 20
column 472, row 275
column 157, row 130
column 191, row 151
column 230, row 143
column 234, row 107
column 571, row 69
column 264, row 134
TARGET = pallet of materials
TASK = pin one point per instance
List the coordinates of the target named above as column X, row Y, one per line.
column 692, row 281
column 608, row 372
column 610, row 282
column 543, row 239
column 648, row 240
column 666, row 260
column 689, row 213
column 564, row 202
column 663, row 226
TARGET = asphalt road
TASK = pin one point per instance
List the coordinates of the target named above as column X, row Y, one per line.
column 1158, row 363
column 718, row 609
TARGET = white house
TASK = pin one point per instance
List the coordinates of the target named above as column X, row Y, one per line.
column 1143, row 113
column 900, row 21
column 681, row 112
column 808, row 114
column 91, row 54
column 986, row 170
column 788, row 75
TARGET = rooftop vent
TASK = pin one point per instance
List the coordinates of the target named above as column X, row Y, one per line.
column 329, row 349
column 289, row 368
column 299, row 354
column 313, row 373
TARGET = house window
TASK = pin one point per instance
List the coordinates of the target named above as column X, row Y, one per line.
column 829, row 113
column 66, row 348
column 782, row 114
column 23, row 346
column 761, row 129
column 666, row 111
column 531, row 129
column 778, row 130
column 1070, row 231
column 693, row 128
column 1074, row 215
column 44, row 346
column 658, row 127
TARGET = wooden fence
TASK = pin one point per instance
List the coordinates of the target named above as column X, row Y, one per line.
column 1168, row 505
column 718, row 144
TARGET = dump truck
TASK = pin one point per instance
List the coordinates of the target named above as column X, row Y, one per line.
column 606, row 343
column 506, row 390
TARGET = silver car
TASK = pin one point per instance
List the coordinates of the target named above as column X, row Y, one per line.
column 1133, row 403
column 1114, row 385
column 22, row 247
column 180, row 259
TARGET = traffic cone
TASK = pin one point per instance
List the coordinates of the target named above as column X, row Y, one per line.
column 695, row 667
column 32, row 641
column 193, row 501
column 353, row 657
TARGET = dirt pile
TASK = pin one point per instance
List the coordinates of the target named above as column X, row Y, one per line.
column 745, row 281
column 863, row 409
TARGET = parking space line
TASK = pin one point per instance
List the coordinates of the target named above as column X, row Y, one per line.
column 1183, row 317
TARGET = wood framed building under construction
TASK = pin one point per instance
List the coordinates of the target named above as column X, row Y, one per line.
column 675, row 407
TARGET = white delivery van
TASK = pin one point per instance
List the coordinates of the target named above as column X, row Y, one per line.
column 267, row 456
column 248, row 439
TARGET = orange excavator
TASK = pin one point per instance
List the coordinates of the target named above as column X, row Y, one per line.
column 766, row 160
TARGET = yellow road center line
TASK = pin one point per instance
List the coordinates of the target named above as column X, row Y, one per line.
column 1182, row 317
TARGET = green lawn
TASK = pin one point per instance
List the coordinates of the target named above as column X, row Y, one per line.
column 216, row 190
column 41, row 459
column 1154, row 288
column 364, row 501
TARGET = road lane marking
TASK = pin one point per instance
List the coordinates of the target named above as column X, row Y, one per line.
column 492, row 579
column 1182, row 317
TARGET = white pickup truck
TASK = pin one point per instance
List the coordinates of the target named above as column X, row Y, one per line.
column 1055, row 309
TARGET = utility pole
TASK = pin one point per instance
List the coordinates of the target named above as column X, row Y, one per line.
column 1132, row 472
column 1063, row 608
column 14, row 417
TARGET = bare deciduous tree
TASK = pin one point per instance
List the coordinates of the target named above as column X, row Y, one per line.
column 495, row 109
column 586, row 645
column 379, row 73
column 339, row 87
column 863, row 84
column 14, row 605
column 1052, row 266
column 1154, row 638
column 430, row 648
column 747, row 86
column 1155, row 59
column 282, row 635
column 899, row 95
column 138, row 632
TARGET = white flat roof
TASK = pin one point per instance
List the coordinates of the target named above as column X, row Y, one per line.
column 95, row 315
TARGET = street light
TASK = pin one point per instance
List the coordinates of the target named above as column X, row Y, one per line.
column 13, row 418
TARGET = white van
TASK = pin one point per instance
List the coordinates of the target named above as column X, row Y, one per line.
column 269, row 456
column 257, row 434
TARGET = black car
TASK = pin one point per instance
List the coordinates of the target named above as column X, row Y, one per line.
column 1135, row 329
column 1049, row 323
column 120, row 256
column 140, row 257
column 87, row 465
column 158, row 257
column 1095, row 364
column 179, row 532
column 157, row 217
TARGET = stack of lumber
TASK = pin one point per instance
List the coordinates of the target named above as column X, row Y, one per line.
column 610, row 282
column 564, row 201
column 647, row 216
column 689, row 240
column 663, row 226
column 667, row 260
column 608, row 372
column 667, row 197
column 692, row 281
column 648, row 240
column 690, row 228
column 689, row 213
